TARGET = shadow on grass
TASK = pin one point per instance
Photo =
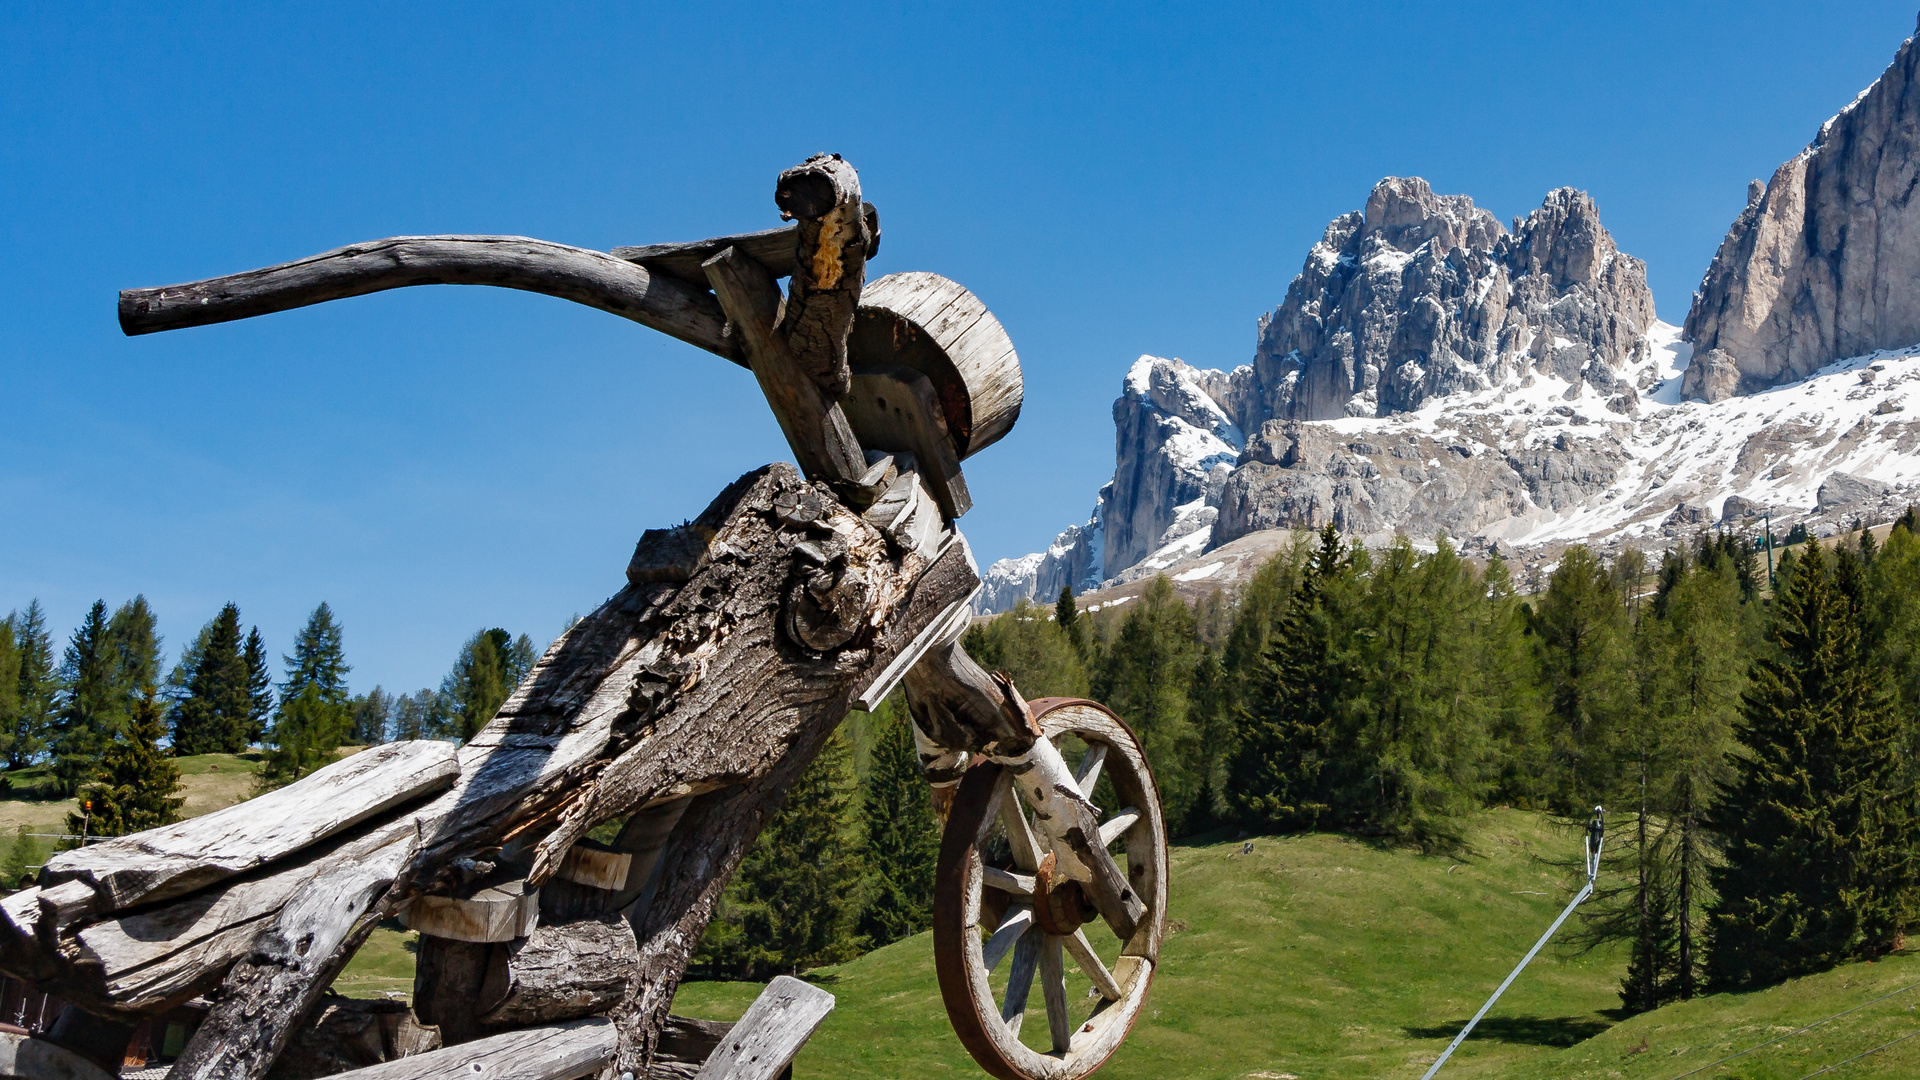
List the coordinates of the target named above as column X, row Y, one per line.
column 1555, row 1031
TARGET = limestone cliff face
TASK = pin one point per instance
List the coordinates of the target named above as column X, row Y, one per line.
column 1824, row 262
column 1423, row 295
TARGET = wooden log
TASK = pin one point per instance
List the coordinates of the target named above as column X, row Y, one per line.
column 349, row 1033
column 173, row 860
column 268, row 993
column 562, row 972
column 600, row 866
column 450, row 980
column 935, row 326
column 37, row 1059
column 775, row 1027
column 811, row 419
column 771, row 248
column 896, row 408
column 593, row 278
column 557, row 1052
column 830, row 265
column 495, row 913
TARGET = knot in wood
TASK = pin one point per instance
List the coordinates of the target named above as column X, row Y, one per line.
column 827, row 601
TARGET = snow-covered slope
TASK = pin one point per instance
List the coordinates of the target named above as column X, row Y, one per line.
column 1538, row 462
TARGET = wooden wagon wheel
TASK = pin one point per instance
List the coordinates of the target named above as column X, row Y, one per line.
column 1036, row 911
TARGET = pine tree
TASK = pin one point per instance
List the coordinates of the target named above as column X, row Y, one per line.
column 259, row 687
column 371, row 712
column 314, row 715
column 1818, row 852
column 22, row 857
column 215, row 715
column 39, row 688
column 1032, row 649
column 792, row 904
column 483, row 676
column 133, row 788
column 902, row 836
column 1909, row 520
column 91, row 706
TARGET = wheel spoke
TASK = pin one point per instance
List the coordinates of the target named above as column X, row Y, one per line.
column 1118, row 824
column 1018, row 922
column 1089, row 773
column 1083, row 955
column 1020, row 885
column 1020, row 981
column 1026, row 847
column 1053, row 984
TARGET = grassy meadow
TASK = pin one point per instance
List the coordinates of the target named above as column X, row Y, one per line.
column 1317, row 957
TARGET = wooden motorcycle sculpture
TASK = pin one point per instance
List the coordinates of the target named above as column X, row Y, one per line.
column 682, row 709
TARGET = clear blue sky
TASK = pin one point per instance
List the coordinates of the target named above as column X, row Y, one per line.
column 1110, row 179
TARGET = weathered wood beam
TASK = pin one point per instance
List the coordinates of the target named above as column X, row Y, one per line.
column 771, row 248
column 896, row 408
column 775, row 1027
column 269, row 992
column 811, row 419
column 174, row 860
column 500, row 912
column 593, row 278
column 557, row 1052
column 823, row 194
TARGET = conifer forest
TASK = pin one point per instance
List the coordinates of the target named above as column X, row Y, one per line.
column 1750, row 719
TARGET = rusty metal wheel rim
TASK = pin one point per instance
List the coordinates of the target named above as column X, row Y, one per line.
column 960, row 954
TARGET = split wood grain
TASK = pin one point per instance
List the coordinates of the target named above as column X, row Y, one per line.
column 556, row 1052
column 896, row 408
column 775, row 1027
column 936, row 326
column 771, row 248
column 497, row 913
column 593, row 278
column 176, row 859
column 268, row 993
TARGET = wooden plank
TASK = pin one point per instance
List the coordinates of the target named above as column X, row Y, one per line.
column 593, row 278
column 1026, row 957
column 556, row 1052
column 771, row 248
column 812, row 421
column 1020, row 885
column 1011, row 931
column 173, row 860
column 274, row 987
column 775, row 1027
column 497, row 913
column 1087, row 775
column 896, row 408
column 934, row 325
column 890, row 676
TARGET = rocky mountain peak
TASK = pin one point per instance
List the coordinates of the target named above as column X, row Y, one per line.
column 1423, row 295
column 1821, row 265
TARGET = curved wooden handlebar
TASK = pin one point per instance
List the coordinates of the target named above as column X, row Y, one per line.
column 593, row 278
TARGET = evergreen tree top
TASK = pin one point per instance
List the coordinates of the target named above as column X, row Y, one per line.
column 319, row 660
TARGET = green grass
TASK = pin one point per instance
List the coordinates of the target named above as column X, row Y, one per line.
column 384, row 965
column 1324, row 958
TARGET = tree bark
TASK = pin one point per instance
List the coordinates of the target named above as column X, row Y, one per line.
column 823, row 193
